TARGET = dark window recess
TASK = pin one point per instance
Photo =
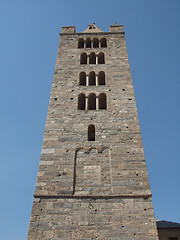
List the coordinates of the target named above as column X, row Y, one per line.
column 91, row 133
column 81, row 43
column 83, row 58
column 92, row 101
column 92, row 58
column 101, row 59
column 101, row 78
column 88, row 43
column 81, row 101
column 102, row 101
column 95, row 43
column 92, row 78
column 82, row 79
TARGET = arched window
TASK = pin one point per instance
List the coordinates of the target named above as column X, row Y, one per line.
column 103, row 42
column 92, row 101
column 81, row 101
column 83, row 58
column 91, row 132
column 102, row 101
column 92, row 78
column 88, row 43
column 82, row 79
column 81, row 43
column 101, row 78
column 101, row 58
column 92, row 58
column 95, row 43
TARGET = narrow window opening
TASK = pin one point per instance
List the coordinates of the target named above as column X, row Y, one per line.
column 101, row 59
column 91, row 133
column 101, row 78
column 88, row 43
column 103, row 42
column 83, row 58
column 95, row 43
column 81, row 43
column 82, row 79
column 92, row 78
column 92, row 58
column 92, row 101
column 102, row 101
column 81, row 101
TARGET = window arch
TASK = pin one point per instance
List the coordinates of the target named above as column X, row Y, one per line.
column 102, row 101
column 88, row 43
column 81, row 43
column 101, row 78
column 92, row 58
column 83, row 58
column 103, row 42
column 95, row 43
column 91, row 132
column 92, row 101
column 82, row 79
column 101, row 59
column 92, row 78
column 81, row 101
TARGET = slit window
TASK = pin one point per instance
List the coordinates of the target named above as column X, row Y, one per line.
column 91, row 133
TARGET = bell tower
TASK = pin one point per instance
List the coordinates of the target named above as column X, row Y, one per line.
column 92, row 181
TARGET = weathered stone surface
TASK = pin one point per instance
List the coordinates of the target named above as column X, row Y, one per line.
column 92, row 189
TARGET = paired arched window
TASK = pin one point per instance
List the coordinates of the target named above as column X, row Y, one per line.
column 95, row 43
column 83, row 58
column 93, row 58
column 91, row 79
column 89, row 103
column 91, row 132
column 81, row 101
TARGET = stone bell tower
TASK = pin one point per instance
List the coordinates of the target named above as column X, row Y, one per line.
column 92, row 181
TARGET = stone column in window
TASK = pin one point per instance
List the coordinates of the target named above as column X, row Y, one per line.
column 86, row 104
column 96, row 80
column 97, row 103
column 87, row 80
column 96, row 59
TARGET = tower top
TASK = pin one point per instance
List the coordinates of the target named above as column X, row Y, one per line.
column 92, row 28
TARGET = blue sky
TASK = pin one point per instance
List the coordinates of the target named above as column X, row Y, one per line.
column 29, row 35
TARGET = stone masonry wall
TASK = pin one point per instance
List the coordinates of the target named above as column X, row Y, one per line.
column 99, row 189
